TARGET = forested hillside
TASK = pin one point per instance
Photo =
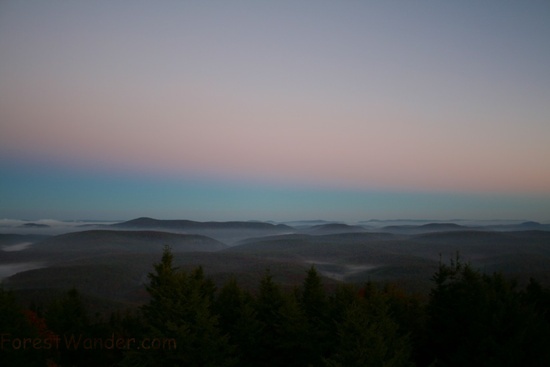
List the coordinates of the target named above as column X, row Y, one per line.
column 469, row 318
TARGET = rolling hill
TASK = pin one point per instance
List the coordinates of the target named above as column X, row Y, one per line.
column 227, row 232
column 113, row 262
column 332, row 228
column 96, row 242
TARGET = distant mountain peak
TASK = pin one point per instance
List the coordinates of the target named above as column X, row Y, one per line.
column 530, row 223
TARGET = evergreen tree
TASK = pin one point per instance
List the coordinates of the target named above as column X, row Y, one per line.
column 268, row 305
column 539, row 298
column 314, row 298
column 68, row 318
column 480, row 319
column 314, row 305
column 237, row 319
column 68, row 315
column 283, row 326
column 409, row 313
column 180, row 310
column 367, row 336
column 293, row 334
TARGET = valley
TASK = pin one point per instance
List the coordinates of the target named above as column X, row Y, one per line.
column 111, row 261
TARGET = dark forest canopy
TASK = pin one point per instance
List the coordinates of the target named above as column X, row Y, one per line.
column 470, row 318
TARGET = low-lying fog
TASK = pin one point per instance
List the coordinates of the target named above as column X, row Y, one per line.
column 7, row 270
column 340, row 271
column 16, row 247
column 47, row 226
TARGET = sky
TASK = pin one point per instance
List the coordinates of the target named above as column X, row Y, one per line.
column 275, row 110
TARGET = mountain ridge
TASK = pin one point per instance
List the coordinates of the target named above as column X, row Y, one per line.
column 183, row 224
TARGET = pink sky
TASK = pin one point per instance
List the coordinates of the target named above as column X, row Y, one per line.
column 376, row 96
